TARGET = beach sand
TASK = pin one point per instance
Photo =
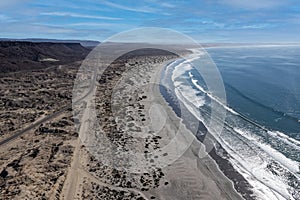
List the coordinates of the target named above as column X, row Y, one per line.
column 135, row 118
column 189, row 177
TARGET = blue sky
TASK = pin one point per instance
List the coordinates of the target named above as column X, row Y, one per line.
column 203, row 20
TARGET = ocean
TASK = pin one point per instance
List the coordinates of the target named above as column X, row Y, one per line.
column 261, row 125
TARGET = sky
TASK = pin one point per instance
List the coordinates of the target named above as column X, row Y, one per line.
column 203, row 20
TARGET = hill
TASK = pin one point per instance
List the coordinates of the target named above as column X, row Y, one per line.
column 85, row 43
column 17, row 55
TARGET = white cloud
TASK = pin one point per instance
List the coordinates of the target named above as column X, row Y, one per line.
column 167, row 5
column 162, row 4
column 93, row 24
column 143, row 9
column 6, row 19
column 255, row 26
column 254, row 4
column 68, row 14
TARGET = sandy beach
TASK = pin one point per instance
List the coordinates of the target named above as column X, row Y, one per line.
column 148, row 153
column 190, row 177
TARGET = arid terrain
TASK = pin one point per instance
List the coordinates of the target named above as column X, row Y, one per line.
column 36, row 128
column 43, row 155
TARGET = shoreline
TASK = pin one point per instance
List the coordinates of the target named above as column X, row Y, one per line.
column 239, row 183
column 146, row 124
column 205, row 166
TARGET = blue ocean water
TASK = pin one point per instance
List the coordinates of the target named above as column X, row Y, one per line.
column 263, row 83
column 261, row 130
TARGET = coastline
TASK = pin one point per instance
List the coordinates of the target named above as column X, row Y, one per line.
column 256, row 138
column 205, row 170
column 246, row 179
column 147, row 125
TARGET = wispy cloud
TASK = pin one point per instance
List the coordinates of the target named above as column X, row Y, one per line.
column 69, row 14
column 93, row 24
column 144, row 9
column 90, row 18
column 162, row 4
column 17, row 30
column 291, row 19
column 256, row 26
column 167, row 5
column 210, row 24
column 98, row 25
column 6, row 19
column 205, row 24
column 254, row 4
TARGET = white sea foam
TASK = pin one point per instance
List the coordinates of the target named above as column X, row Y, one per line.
column 284, row 137
column 191, row 108
column 184, row 90
column 254, row 169
column 261, row 190
column 291, row 165
column 179, row 71
column 195, row 82
column 185, row 65
column 250, row 161
column 191, row 95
